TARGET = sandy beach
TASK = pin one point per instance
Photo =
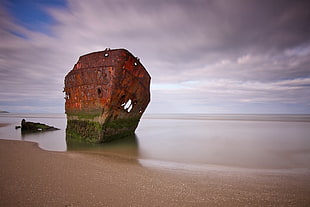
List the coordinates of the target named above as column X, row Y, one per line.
column 30, row 176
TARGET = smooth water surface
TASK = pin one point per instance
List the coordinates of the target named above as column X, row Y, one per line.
column 246, row 141
column 49, row 140
column 251, row 141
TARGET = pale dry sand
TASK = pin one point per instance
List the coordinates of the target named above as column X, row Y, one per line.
column 30, row 176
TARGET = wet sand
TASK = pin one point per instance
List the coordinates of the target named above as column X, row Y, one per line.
column 4, row 124
column 30, row 176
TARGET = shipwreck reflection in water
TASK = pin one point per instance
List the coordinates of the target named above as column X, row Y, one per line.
column 127, row 146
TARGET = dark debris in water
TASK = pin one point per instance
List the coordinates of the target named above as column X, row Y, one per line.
column 28, row 126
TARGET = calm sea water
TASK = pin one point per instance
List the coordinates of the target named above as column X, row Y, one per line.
column 191, row 141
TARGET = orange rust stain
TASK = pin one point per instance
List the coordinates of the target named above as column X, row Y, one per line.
column 102, row 82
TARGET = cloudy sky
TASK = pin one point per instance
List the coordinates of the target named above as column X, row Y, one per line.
column 204, row 56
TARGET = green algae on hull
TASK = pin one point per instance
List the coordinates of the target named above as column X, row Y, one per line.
column 94, row 132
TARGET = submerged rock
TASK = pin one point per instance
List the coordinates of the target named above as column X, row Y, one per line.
column 27, row 126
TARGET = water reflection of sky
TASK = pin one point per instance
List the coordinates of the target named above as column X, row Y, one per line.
column 253, row 144
column 200, row 140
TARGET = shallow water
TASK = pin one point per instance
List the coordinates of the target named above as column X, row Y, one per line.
column 245, row 141
column 51, row 140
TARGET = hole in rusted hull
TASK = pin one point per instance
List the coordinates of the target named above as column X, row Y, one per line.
column 127, row 105
column 99, row 91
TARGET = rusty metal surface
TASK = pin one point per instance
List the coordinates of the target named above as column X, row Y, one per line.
column 106, row 86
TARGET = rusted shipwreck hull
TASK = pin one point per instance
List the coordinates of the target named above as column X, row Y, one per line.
column 106, row 94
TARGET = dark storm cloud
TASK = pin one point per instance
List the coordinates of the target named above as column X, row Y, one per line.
column 263, row 24
column 228, row 30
